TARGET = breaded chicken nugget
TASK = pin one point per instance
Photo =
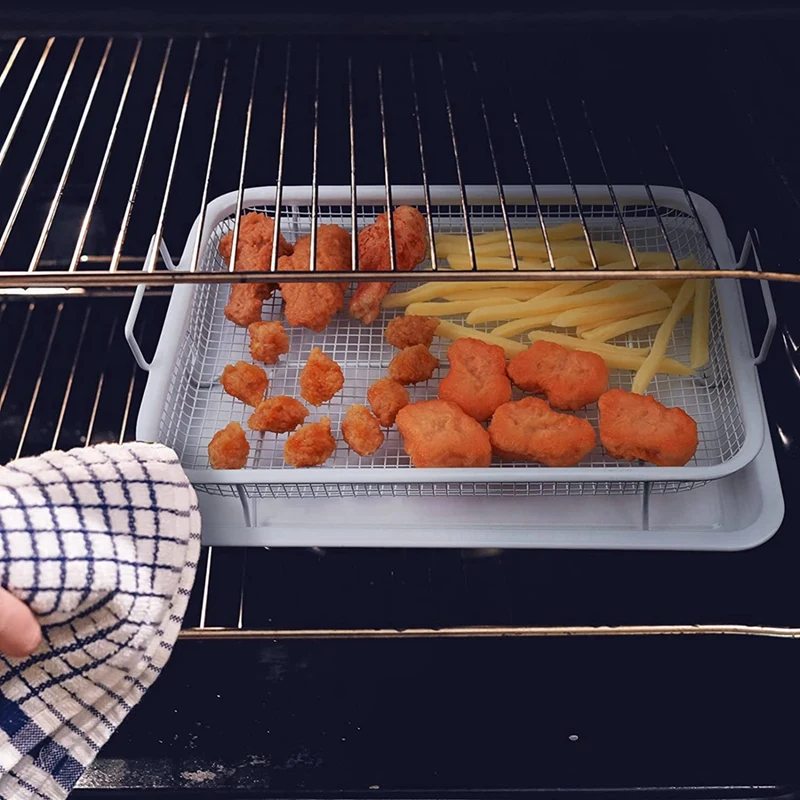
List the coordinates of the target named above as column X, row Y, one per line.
column 313, row 305
column 529, row 430
column 637, row 426
column 310, row 446
column 279, row 414
column 437, row 433
column 320, row 378
column 413, row 365
column 477, row 381
column 246, row 301
column 361, row 430
column 254, row 248
column 268, row 341
column 568, row 378
column 386, row 397
column 245, row 382
column 228, row 448
column 411, row 240
column 407, row 331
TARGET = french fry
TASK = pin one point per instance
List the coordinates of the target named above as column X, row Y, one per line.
column 610, row 330
column 605, row 252
column 515, row 326
column 524, row 293
column 700, row 323
column 555, row 233
column 448, row 309
column 462, row 261
column 646, row 372
column 651, row 299
column 548, row 302
column 435, row 289
column 449, row 330
column 629, row 358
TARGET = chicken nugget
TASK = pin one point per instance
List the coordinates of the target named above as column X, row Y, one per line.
column 228, row 448
column 311, row 445
column 386, row 397
column 413, row 365
column 313, row 305
column 437, row 433
column 407, row 331
column 637, row 426
column 245, row 382
column 361, row 430
column 410, row 243
column 320, row 378
column 246, row 301
column 279, row 414
column 529, row 430
column 254, row 248
column 568, row 379
column 268, row 341
column 477, row 380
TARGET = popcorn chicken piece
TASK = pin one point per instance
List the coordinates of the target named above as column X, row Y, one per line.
column 279, row 414
column 410, row 330
column 413, row 365
column 311, row 445
column 254, row 248
column 268, row 341
column 386, row 397
column 246, row 302
column 321, row 378
column 228, row 448
column 361, row 430
column 245, row 382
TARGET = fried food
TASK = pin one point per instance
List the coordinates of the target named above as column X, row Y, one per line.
column 246, row 301
column 411, row 241
column 437, row 433
column 245, row 382
column 254, row 248
column 386, row 397
column 637, row 426
column 279, row 414
column 529, row 430
column 413, row 365
column 568, row 378
column 361, row 430
column 477, row 380
column 311, row 445
column 268, row 341
column 313, row 305
column 407, row 331
column 228, row 448
column 320, row 378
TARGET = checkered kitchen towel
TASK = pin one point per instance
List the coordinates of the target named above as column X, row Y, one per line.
column 102, row 543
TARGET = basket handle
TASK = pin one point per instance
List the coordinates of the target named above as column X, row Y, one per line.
column 136, row 303
column 772, row 316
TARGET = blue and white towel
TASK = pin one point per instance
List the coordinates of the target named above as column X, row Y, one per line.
column 102, row 544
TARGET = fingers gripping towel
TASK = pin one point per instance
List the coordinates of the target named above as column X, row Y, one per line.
column 102, row 543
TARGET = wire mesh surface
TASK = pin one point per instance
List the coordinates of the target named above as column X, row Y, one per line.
column 197, row 406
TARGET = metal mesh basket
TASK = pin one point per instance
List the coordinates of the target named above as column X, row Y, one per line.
column 196, row 406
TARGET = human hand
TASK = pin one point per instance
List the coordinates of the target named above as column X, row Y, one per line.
column 20, row 633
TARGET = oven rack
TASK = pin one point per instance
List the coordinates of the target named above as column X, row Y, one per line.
column 412, row 106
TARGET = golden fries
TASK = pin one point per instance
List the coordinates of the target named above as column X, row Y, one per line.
column 492, row 294
column 516, row 326
column 651, row 364
column 651, row 299
column 610, row 330
column 630, row 358
column 700, row 323
column 449, row 309
column 436, row 289
column 555, row 233
column 449, row 330
column 547, row 302
column 605, row 252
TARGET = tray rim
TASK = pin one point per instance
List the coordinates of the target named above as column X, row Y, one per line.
column 734, row 321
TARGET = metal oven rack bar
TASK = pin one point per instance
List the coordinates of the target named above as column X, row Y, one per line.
column 98, row 78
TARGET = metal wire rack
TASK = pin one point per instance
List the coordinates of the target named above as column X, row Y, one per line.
column 73, row 107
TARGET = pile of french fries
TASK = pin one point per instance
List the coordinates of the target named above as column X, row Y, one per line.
column 597, row 310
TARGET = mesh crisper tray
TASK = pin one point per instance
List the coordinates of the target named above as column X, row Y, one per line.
column 196, row 406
